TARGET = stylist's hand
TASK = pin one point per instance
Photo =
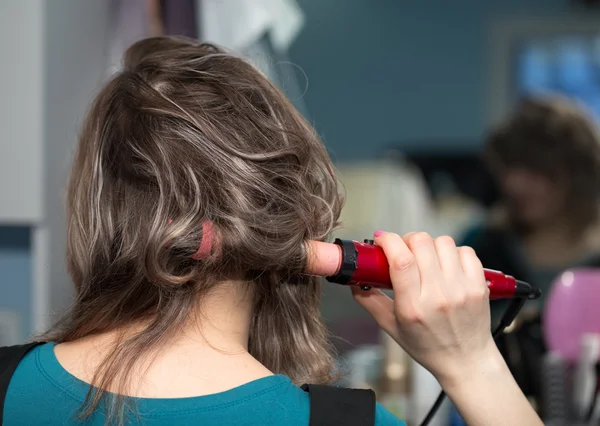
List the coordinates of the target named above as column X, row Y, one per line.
column 440, row 312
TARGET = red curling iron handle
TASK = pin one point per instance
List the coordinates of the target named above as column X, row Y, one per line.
column 365, row 265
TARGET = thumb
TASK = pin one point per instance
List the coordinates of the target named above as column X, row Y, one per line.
column 379, row 305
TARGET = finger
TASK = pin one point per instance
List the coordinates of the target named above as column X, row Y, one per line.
column 404, row 272
column 422, row 246
column 379, row 305
column 470, row 263
column 406, row 236
column 448, row 256
column 454, row 286
column 472, row 267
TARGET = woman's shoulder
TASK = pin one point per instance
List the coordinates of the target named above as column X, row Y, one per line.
column 37, row 372
column 40, row 380
column 29, row 362
column 32, row 390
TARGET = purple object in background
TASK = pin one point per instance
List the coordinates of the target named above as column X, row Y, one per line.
column 572, row 309
column 179, row 17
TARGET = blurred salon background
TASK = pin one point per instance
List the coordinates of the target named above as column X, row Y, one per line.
column 473, row 118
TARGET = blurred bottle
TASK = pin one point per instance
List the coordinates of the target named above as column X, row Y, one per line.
column 425, row 390
column 584, row 381
column 555, row 403
column 363, row 364
column 395, row 379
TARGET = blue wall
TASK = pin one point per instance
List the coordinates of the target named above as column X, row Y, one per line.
column 16, row 273
column 405, row 71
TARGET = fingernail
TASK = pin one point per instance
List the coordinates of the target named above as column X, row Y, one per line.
column 379, row 233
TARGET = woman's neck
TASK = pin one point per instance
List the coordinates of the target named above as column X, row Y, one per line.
column 222, row 318
column 210, row 354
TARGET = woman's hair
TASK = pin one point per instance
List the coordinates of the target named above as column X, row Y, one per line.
column 555, row 137
column 184, row 136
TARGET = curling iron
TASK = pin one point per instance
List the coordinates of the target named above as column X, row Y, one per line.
column 365, row 265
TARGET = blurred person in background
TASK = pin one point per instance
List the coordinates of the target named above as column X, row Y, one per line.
column 546, row 161
column 194, row 189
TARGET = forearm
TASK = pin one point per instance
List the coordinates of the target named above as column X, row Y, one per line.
column 489, row 396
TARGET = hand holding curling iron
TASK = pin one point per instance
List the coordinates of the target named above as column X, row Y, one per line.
column 440, row 315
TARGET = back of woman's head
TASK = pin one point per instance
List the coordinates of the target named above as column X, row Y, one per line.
column 189, row 146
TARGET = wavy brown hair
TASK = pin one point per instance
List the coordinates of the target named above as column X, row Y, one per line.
column 187, row 133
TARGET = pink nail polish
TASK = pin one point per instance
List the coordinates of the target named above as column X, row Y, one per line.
column 379, row 233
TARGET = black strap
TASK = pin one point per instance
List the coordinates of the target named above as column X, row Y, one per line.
column 331, row 406
column 10, row 356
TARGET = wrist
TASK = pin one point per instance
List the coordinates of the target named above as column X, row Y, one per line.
column 484, row 367
column 485, row 392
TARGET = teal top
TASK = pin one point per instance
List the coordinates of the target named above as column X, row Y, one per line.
column 42, row 392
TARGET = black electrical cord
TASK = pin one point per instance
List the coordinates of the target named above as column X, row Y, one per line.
column 595, row 402
column 507, row 318
column 592, row 409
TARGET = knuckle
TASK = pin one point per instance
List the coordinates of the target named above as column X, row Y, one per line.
column 445, row 241
column 407, row 236
column 459, row 300
column 420, row 239
column 410, row 316
column 471, row 262
column 467, row 251
column 444, row 306
column 402, row 263
column 486, row 293
column 480, row 293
